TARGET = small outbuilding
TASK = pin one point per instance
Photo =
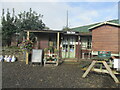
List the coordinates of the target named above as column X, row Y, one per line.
column 106, row 37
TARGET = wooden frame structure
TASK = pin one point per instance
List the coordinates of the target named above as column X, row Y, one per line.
column 106, row 66
column 58, row 35
column 56, row 62
column 58, row 44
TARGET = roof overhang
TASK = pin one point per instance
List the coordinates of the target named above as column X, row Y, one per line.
column 104, row 23
column 45, row 31
column 62, row 32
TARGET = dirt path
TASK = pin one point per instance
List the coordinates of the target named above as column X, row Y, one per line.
column 20, row 75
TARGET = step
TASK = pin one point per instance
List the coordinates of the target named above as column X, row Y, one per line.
column 71, row 62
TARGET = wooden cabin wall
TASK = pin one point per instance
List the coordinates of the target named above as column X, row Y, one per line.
column 53, row 40
column 78, row 52
column 119, row 39
column 105, row 38
column 43, row 40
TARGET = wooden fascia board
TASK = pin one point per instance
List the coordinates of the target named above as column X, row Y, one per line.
column 38, row 31
column 104, row 23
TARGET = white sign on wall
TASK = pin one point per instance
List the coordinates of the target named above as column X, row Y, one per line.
column 117, row 64
column 70, row 32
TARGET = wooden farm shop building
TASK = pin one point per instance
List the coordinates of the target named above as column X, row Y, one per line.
column 81, row 42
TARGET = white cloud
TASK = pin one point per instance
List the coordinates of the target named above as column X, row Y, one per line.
column 55, row 13
column 99, row 0
column 81, row 16
column 59, row 0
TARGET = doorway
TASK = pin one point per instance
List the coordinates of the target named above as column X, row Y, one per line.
column 68, row 47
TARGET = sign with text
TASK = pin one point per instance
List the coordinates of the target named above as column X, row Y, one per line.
column 37, row 56
column 70, row 32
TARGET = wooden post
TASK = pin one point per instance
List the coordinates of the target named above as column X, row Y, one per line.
column 58, row 44
column 28, row 35
column 58, row 40
column 88, row 55
column 78, row 48
column 27, row 55
column 83, row 55
column 89, row 68
column 111, row 73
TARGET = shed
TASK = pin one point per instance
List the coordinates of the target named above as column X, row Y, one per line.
column 105, row 37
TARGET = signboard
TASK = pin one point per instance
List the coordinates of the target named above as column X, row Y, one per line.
column 70, row 32
column 104, row 53
column 117, row 64
column 37, row 55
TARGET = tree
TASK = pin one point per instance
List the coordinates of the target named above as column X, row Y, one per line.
column 66, row 29
column 8, row 27
column 47, row 28
column 29, row 21
column 12, row 24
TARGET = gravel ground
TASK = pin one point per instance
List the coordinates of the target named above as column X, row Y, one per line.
column 20, row 75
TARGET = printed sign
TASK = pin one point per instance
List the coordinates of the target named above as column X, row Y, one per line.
column 69, row 32
column 37, row 55
column 116, row 63
column 119, row 65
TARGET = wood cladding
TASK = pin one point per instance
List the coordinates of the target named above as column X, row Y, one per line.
column 43, row 40
column 106, row 37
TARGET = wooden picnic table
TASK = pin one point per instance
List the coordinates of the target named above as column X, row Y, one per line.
column 102, row 60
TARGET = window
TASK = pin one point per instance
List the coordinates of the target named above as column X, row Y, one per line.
column 86, row 43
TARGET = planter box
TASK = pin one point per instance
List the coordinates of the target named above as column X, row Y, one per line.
column 50, row 59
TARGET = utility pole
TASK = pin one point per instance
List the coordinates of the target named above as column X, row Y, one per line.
column 67, row 20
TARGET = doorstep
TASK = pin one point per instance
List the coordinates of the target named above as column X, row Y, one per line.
column 71, row 61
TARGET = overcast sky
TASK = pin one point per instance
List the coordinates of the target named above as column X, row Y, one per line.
column 80, row 13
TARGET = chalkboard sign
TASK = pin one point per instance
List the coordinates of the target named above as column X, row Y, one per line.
column 37, row 56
